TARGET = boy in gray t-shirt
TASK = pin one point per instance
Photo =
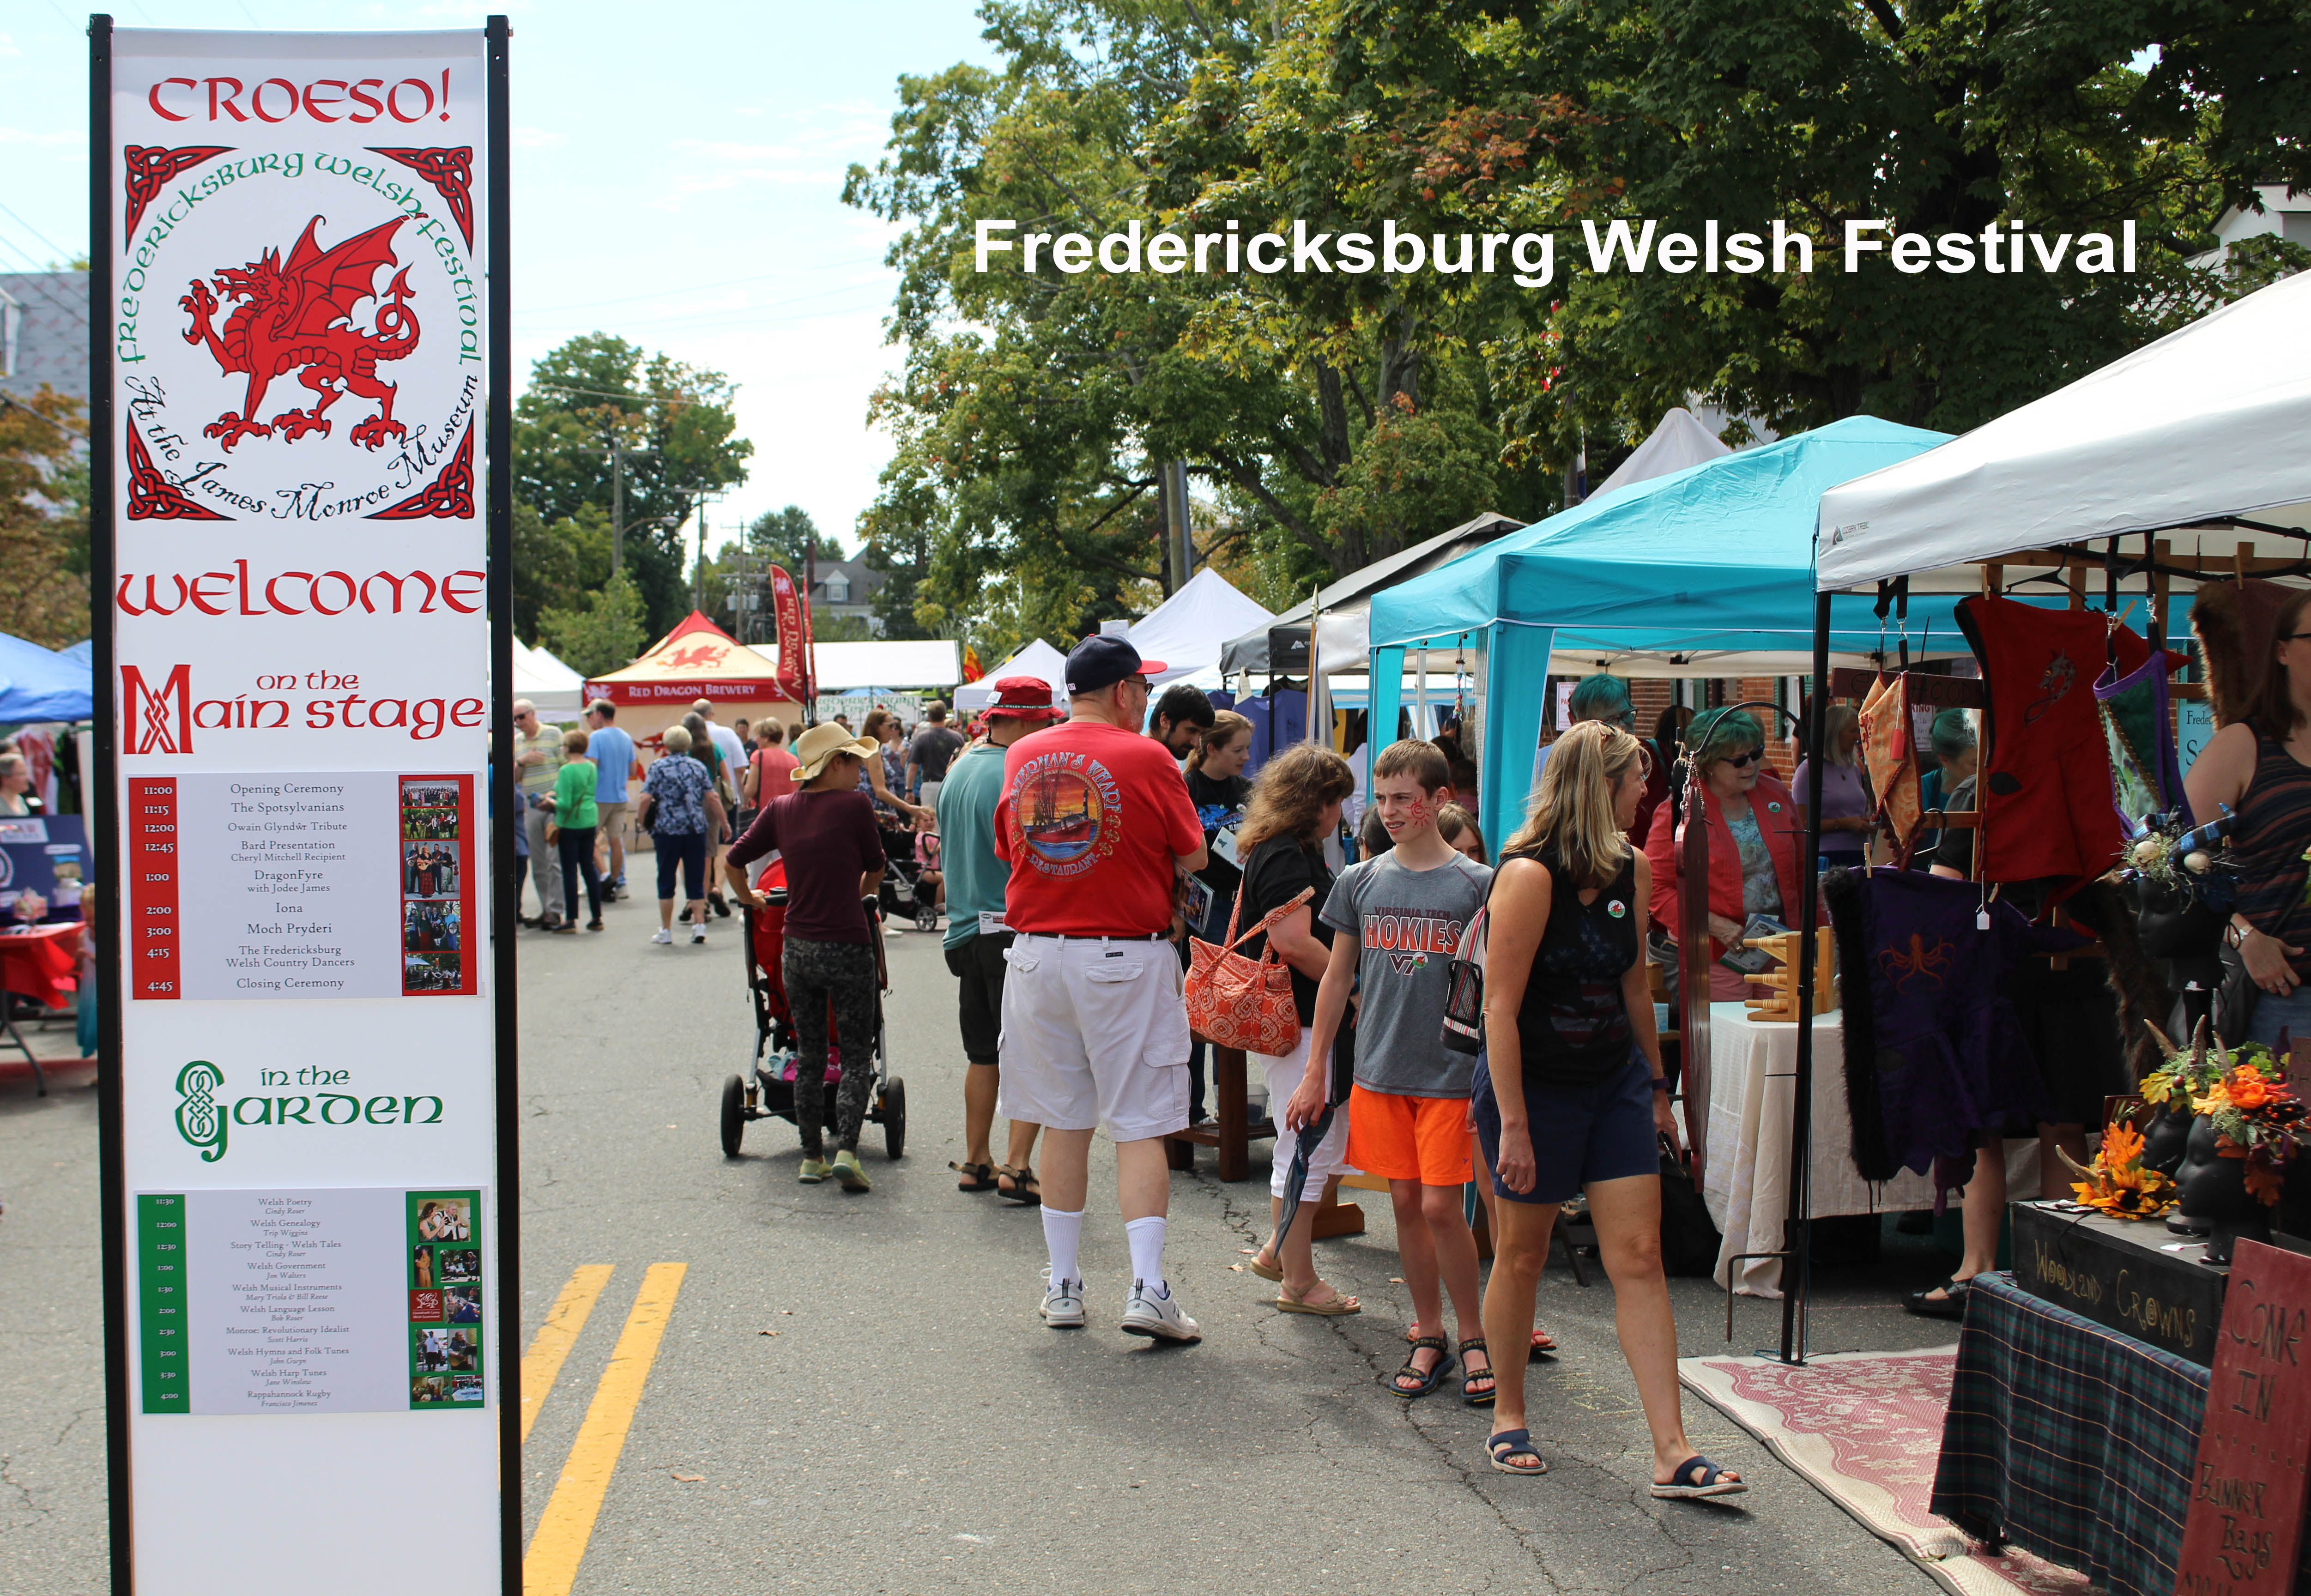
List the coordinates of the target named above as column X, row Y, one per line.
column 1407, row 924
column 1403, row 915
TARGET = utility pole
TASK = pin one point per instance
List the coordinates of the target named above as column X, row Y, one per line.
column 618, row 452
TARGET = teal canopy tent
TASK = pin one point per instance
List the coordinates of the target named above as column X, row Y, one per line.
column 1707, row 571
column 36, row 685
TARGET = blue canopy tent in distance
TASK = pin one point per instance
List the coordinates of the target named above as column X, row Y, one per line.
column 36, row 685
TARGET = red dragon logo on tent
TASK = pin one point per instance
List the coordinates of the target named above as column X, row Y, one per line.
column 298, row 316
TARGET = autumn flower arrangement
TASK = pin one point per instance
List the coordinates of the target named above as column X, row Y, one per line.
column 2118, row 1183
column 2257, row 1114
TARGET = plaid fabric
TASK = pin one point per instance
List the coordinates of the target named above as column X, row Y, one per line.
column 2070, row 1441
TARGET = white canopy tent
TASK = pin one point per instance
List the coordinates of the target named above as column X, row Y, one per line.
column 554, row 690
column 848, row 667
column 2198, row 437
column 1187, row 630
column 1037, row 659
column 1679, row 441
column 1343, row 629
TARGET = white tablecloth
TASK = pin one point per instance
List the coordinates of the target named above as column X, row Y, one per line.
column 1745, row 1175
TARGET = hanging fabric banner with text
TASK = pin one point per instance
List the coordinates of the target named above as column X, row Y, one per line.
column 293, row 308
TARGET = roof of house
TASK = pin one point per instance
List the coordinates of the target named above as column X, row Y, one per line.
column 50, row 341
column 864, row 579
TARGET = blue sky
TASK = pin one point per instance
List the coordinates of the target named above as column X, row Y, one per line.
column 676, row 173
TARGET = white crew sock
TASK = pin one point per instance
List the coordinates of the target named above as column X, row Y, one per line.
column 1147, row 1239
column 1061, row 1233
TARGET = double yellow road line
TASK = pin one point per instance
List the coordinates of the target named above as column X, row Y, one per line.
column 559, row 1546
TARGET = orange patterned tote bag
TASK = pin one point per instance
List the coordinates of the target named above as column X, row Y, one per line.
column 1240, row 1002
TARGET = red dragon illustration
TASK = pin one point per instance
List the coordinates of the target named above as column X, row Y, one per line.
column 297, row 315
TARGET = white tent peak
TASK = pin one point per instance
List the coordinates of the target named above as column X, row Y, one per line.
column 1036, row 658
column 1187, row 631
column 552, row 687
column 1679, row 441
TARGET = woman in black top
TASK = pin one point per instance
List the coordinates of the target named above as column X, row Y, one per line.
column 1574, row 1094
column 1295, row 807
column 1217, row 788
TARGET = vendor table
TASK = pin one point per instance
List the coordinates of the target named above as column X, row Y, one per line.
column 42, row 963
column 2071, row 1441
column 1745, row 1176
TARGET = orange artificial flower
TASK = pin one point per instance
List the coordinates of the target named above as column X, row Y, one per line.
column 2248, row 1091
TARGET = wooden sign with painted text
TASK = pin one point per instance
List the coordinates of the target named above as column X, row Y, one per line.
column 2247, row 1492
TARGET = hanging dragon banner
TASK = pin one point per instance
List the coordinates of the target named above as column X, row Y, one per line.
column 293, row 372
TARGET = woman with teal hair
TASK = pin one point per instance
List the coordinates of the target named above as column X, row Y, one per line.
column 1755, row 841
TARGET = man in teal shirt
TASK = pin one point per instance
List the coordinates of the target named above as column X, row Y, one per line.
column 976, row 938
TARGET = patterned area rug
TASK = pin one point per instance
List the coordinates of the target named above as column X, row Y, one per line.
column 1866, row 1428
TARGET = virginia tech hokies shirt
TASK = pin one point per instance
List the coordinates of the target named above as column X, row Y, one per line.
column 1408, row 923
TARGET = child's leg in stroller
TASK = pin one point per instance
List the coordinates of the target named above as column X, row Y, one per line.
column 851, row 979
column 806, row 1002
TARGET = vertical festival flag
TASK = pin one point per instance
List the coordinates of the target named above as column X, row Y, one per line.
column 794, row 635
column 296, row 375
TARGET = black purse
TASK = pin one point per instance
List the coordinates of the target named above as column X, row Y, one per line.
column 1464, row 992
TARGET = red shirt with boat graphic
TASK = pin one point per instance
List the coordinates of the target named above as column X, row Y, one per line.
column 1091, row 819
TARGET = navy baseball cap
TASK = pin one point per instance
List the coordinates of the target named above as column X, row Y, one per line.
column 1103, row 661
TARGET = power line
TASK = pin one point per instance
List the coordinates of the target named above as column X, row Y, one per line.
column 36, row 232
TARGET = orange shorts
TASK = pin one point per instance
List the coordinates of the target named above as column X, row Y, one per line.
column 1409, row 1138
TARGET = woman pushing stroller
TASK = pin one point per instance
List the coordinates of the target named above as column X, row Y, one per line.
column 825, row 834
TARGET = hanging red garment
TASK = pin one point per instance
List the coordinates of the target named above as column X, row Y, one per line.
column 2048, row 805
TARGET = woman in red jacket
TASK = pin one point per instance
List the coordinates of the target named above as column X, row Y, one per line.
column 1754, row 842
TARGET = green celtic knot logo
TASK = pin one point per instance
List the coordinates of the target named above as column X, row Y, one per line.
column 199, row 1119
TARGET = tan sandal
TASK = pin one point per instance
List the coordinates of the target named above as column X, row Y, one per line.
column 1336, row 1307
column 1266, row 1271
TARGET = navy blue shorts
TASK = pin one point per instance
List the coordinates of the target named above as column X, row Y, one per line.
column 1603, row 1132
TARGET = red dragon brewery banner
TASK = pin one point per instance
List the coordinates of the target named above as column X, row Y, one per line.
column 292, row 306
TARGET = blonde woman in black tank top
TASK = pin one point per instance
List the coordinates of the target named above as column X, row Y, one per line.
column 1574, row 1094
column 2261, row 767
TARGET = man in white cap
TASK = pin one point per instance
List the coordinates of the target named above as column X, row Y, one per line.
column 1096, row 823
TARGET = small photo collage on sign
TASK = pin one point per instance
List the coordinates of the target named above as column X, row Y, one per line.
column 445, row 1299
column 436, row 847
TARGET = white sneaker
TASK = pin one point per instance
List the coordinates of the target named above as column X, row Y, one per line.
column 697, row 934
column 1157, row 1316
column 1063, row 1307
column 662, row 936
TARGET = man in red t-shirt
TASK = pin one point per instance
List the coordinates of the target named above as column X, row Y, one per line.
column 1096, row 825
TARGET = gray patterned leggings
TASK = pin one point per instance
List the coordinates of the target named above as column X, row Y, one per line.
column 843, row 973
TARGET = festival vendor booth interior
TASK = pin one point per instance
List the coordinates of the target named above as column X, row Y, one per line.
column 44, row 855
column 2130, row 1401
column 1703, row 572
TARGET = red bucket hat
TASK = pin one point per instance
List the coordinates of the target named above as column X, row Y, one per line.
column 1023, row 698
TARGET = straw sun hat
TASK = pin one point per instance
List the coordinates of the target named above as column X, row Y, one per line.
column 820, row 744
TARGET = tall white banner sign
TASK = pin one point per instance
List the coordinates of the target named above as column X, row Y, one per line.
column 293, row 303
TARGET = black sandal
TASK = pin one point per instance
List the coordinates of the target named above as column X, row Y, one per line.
column 1430, row 1379
column 978, row 1177
column 1468, row 1376
column 1950, row 1305
column 1023, row 1189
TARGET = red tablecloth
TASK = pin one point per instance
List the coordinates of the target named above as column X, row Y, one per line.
column 42, row 963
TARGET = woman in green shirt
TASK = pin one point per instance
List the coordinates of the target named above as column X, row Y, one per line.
column 575, row 815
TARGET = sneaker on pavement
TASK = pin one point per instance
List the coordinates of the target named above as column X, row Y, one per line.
column 662, row 936
column 697, row 934
column 1063, row 1303
column 813, row 1170
column 847, row 1170
column 1157, row 1316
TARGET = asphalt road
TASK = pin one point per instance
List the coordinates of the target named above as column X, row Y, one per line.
column 908, row 1425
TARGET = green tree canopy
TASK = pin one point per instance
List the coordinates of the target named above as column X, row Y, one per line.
column 671, row 423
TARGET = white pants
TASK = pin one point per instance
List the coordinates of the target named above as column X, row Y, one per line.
column 544, row 862
column 1284, row 1074
column 1095, row 1033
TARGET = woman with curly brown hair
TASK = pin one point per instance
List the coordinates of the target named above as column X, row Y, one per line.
column 1294, row 806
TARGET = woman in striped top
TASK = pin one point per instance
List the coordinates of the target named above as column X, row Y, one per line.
column 2261, row 767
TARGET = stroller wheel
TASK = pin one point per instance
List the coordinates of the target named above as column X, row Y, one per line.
column 895, row 1117
column 734, row 1115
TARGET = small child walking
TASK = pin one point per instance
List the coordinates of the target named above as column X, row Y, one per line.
column 1402, row 912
